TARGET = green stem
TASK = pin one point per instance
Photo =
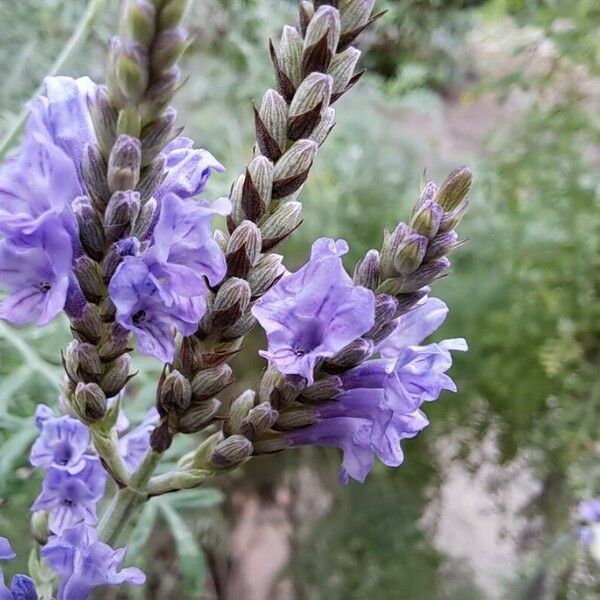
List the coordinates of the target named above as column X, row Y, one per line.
column 127, row 500
column 81, row 32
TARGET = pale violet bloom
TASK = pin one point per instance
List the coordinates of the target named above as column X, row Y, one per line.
column 21, row 586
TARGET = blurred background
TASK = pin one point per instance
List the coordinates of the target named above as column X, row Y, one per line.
column 484, row 506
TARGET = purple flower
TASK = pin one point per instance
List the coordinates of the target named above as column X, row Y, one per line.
column 164, row 288
column 187, row 169
column 42, row 414
column 61, row 445
column 589, row 512
column 21, row 587
column 134, row 445
column 313, row 313
column 84, row 563
column 71, row 499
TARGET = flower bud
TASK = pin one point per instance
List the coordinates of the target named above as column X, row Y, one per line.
column 256, row 188
column 296, row 416
column 281, row 224
column 121, row 212
column 140, row 17
column 39, row 527
column 263, row 276
column 240, row 328
column 87, row 272
column 161, row 438
column 222, row 239
column 290, row 54
column 385, row 312
column 89, row 402
column 132, row 70
column 276, row 389
column 409, row 300
column 310, row 101
column 426, row 274
column 126, row 247
column 172, row 13
column 235, row 196
column 157, row 134
column 367, row 271
column 321, row 39
column 427, row 219
column 240, row 408
column 451, row 219
column 271, row 125
column 231, row 451
column 231, row 302
column 168, row 48
column 93, row 170
column 198, row 417
column 325, row 125
column 243, row 249
column 161, row 91
column 91, row 232
column 428, row 194
column 410, row 253
column 325, row 388
column 355, row 13
column 270, row 443
column 292, row 169
column 353, row 354
column 175, row 393
column 455, row 188
column 342, row 68
column 82, row 362
column 129, row 121
column 259, row 419
column 209, row 382
column 116, row 376
column 151, row 178
column 114, row 345
column 307, row 12
column 442, row 244
column 391, row 241
column 124, row 164
column 103, row 118
column 145, row 219
column 88, row 327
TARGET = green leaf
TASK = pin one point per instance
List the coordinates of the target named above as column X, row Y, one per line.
column 142, row 530
column 197, row 498
column 190, row 555
column 13, row 451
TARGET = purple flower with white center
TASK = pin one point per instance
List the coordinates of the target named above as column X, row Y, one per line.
column 314, row 313
column 164, row 288
column 84, row 563
column 21, row 587
column 134, row 445
column 62, row 445
column 188, row 169
column 71, row 499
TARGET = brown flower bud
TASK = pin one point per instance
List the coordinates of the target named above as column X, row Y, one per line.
column 263, row 276
column 91, row 232
column 258, row 420
column 209, row 382
column 175, row 393
column 116, row 376
column 231, row 302
column 231, row 451
column 366, row 272
column 89, row 402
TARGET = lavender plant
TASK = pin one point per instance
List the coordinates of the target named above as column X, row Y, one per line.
column 100, row 221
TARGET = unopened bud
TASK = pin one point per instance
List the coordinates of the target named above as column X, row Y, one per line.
column 87, row 272
column 442, row 244
column 104, row 119
column 426, row 274
column 355, row 13
column 410, row 253
column 408, row 301
column 209, row 382
column 271, row 442
column 198, row 417
column 367, row 270
column 83, row 362
column 93, row 169
column 243, row 249
column 451, row 219
column 276, row 389
column 290, row 54
column 239, row 410
column 116, row 376
column 175, row 393
column 235, row 196
column 141, row 19
column 116, row 253
column 257, row 197
column 124, row 164
column 385, row 312
column 161, row 438
column 121, row 213
column 88, row 326
column 231, row 302
column 307, row 12
column 325, row 125
column 325, row 25
column 240, row 328
column 271, row 125
column 157, row 134
column 281, row 224
column 427, row 219
column 296, row 416
column 145, row 219
column 172, row 13
column 267, row 271
column 91, row 232
column 325, row 388
column 231, row 451
column 132, row 70
column 161, row 91
column 428, row 194
column 39, row 528
column 151, row 178
column 259, row 419
column 90, row 402
column 342, row 68
column 391, row 241
column 168, row 48
column 292, row 169
column 455, row 188
column 353, row 354
column 309, row 103
column 114, row 345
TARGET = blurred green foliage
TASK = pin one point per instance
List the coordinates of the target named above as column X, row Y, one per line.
column 524, row 291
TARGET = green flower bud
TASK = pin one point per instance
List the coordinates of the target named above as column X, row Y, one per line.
column 451, row 219
column 175, row 393
column 159, row 94
column 240, row 328
column 276, row 389
column 39, row 526
column 309, row 103
column 82, row 362
column 231, row 451
column 88, row 327
column 116, row 376
column 243, row 249
column 172, row 13
column 104, row 119
column 132, row 70
column 89, row 402
column 292, row 169
column 237, row 212
column 427, row 219
column 87, row 272
column 426, row 274
column 267, row 271
column 156, row 135
column 342, row 68
column 151, row 178
column 91, row 232
column 455, row 188
column 270, row 443
column 140, row 17
column 231, row 302
column 307, row 12
column 325, row 23
column 168, row 48
column 391, row 241
column 198, row 417
column 410, row 253
column 296, row 416
column 256, row 192
column 145, row 218
column 325, row 125
column 238, row 411
column 290, row 54
column 93, row 170
column 124, row 164
column 367, row 271
column 442, row 244
column 209, row 382
column 271, row 130
column 258, row 420
column 355, row 13
column 121, row 213
column 281, row 224
column 325, row 388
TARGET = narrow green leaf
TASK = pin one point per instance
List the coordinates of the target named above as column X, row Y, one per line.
column 142, row 531
column 197, row 499
column 14, row 449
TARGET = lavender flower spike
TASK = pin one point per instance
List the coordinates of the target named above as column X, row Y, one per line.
column 84, row 563
column 314, row 312
column 21, row 587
